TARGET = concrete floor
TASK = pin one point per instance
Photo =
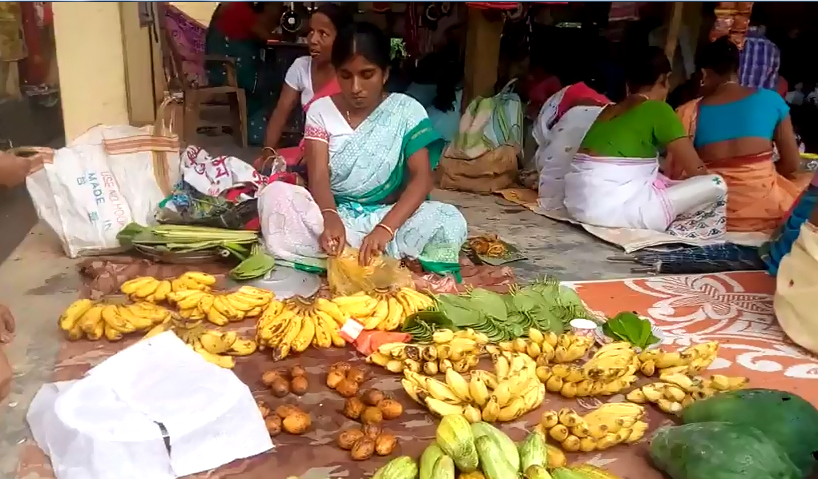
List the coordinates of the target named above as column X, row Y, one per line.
column 37, row 281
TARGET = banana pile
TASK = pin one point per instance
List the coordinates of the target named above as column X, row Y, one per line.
column 549, row 347
column 691, row 360
column 451, row 350
column 94, row 320
column 152, row 290
column 505, row 395
column 214, row 346
column 221, row 309
column 294, row 324
column 384, row 310
column 603, row 428
column 673, row 392
column 609, row 371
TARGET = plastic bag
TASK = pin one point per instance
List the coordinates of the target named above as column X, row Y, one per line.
column 346, row 276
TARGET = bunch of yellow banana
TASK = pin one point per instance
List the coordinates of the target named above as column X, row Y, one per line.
column 548, row 347
column 450, row 350
column 673, row 392
column 611, row 370
column 148, row 288
column 691, row 360
column 247, row 302
column 214, row 346
column 294, row 324
column 384, row 310
column 97, row 319
column 484, row 396
column 603, row 428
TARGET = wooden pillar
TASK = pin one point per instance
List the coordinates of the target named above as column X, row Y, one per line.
column 485, row 27
column 675, row 23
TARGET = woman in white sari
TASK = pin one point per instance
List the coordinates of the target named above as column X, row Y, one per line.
column 614, row 179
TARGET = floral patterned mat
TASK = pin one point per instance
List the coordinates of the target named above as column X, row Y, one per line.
column 734, row 308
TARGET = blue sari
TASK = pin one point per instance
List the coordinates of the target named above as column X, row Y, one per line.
column 781, row 243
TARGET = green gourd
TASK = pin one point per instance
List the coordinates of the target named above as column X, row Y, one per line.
column 718, row 450
column 782, row 417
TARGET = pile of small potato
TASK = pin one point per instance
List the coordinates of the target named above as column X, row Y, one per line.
column 372, row 407
column 288, row 418
column 345, row 379
column 281, row 386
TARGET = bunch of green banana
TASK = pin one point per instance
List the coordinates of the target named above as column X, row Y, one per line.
column 382, row 309
column 548, row 347
column 691, row 360
column 602, row 428
column 247, row 302
column 150, row 289
column 450, row 350
column 97, row 319
column 503, row 396
column 214, row 346
column 674, row 392
column 294, row 324
column 611, row 370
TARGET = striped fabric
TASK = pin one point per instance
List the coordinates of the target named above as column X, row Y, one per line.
column 760, row 61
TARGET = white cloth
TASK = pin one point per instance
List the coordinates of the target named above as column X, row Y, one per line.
column 299, row 78
column 557, row 147
column 326, row 123
column 629, row 193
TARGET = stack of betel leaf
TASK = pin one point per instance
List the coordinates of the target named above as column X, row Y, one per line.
column 629, row 327
column 543, row 305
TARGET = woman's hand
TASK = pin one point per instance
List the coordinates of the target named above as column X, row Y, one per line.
column 373, row 245
column 13, row 169
column 7, row 325
column 333, row 239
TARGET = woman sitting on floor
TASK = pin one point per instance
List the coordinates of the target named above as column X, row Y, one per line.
column 560, row 127
column 734, row 129
column 370, row 157
column 308, row 78
column 614, row 180
column 240, row 30
column 793, row 258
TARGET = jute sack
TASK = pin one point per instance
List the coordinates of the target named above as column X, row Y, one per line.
column 492, row 171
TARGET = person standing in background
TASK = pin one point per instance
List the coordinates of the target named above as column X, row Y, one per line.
column 13, row 171
column 760, row 59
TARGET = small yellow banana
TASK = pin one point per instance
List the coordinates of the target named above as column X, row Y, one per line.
column 130, row 287
column 216, row 342
column 88, row 321
column 73, row 313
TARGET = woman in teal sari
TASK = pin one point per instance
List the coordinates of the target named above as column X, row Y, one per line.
column 240, row 30
column 370, row 157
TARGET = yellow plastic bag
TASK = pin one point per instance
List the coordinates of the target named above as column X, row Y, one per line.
column 347, row 277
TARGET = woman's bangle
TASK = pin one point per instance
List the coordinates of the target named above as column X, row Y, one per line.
column 330, row 210
column 388, row 229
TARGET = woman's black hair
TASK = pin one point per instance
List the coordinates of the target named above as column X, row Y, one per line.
column 337, row 14
column 365, row 39
column 721, row 56
column 645, row 67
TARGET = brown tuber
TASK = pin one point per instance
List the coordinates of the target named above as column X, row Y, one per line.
column 390, row 408
column 297, row 371
column 348, row 438
column 280, row 387
column 334, row 378
column 385, row 444
column 372, row 430
column 273, row 424
column 287, row 410
column 363, row 449
column 372, row 415
column 297, row 423
column 340, row 367
column 299, row 385
column 353, row 407
column 347, row 388
column 371, row 397
column 263, row 409
column 270, row 376
column 357, row 375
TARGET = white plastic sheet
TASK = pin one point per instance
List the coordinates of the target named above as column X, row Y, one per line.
column 156, row 410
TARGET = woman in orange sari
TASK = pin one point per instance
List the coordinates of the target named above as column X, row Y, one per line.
column 735, row 131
